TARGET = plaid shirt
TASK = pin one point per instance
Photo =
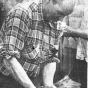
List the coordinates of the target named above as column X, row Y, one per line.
column 29, row 38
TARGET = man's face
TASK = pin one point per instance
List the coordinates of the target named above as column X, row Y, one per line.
column 54, row 17
column 56, row 10
column 52, row 12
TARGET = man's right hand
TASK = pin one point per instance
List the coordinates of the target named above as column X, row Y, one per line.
column 61, row 26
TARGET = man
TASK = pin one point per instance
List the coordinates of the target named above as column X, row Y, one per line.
column 82, row 47
column 28, row 40
column 69, row 61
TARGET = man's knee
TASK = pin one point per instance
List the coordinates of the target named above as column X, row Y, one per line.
column 50, row 66
column 48, row 74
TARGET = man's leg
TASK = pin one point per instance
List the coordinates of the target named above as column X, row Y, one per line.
column 48, row 75
column 18, row 72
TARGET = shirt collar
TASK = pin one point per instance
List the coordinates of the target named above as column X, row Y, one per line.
column 37, row 13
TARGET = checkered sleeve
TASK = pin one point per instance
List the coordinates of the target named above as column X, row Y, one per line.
column 14, row 29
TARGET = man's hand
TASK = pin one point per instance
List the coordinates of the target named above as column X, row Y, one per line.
column 18, row 73
column 61, row 26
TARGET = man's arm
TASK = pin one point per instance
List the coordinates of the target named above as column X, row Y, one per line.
column 76, row 33
column 18, row 72
column 13, row 40
column 78, row 10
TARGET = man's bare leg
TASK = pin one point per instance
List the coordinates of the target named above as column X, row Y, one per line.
column 48, row 75
column 18, row 72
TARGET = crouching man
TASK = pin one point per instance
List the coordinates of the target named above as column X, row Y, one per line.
column 28, row 41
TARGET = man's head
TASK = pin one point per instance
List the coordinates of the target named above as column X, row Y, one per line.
column 57, row 9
